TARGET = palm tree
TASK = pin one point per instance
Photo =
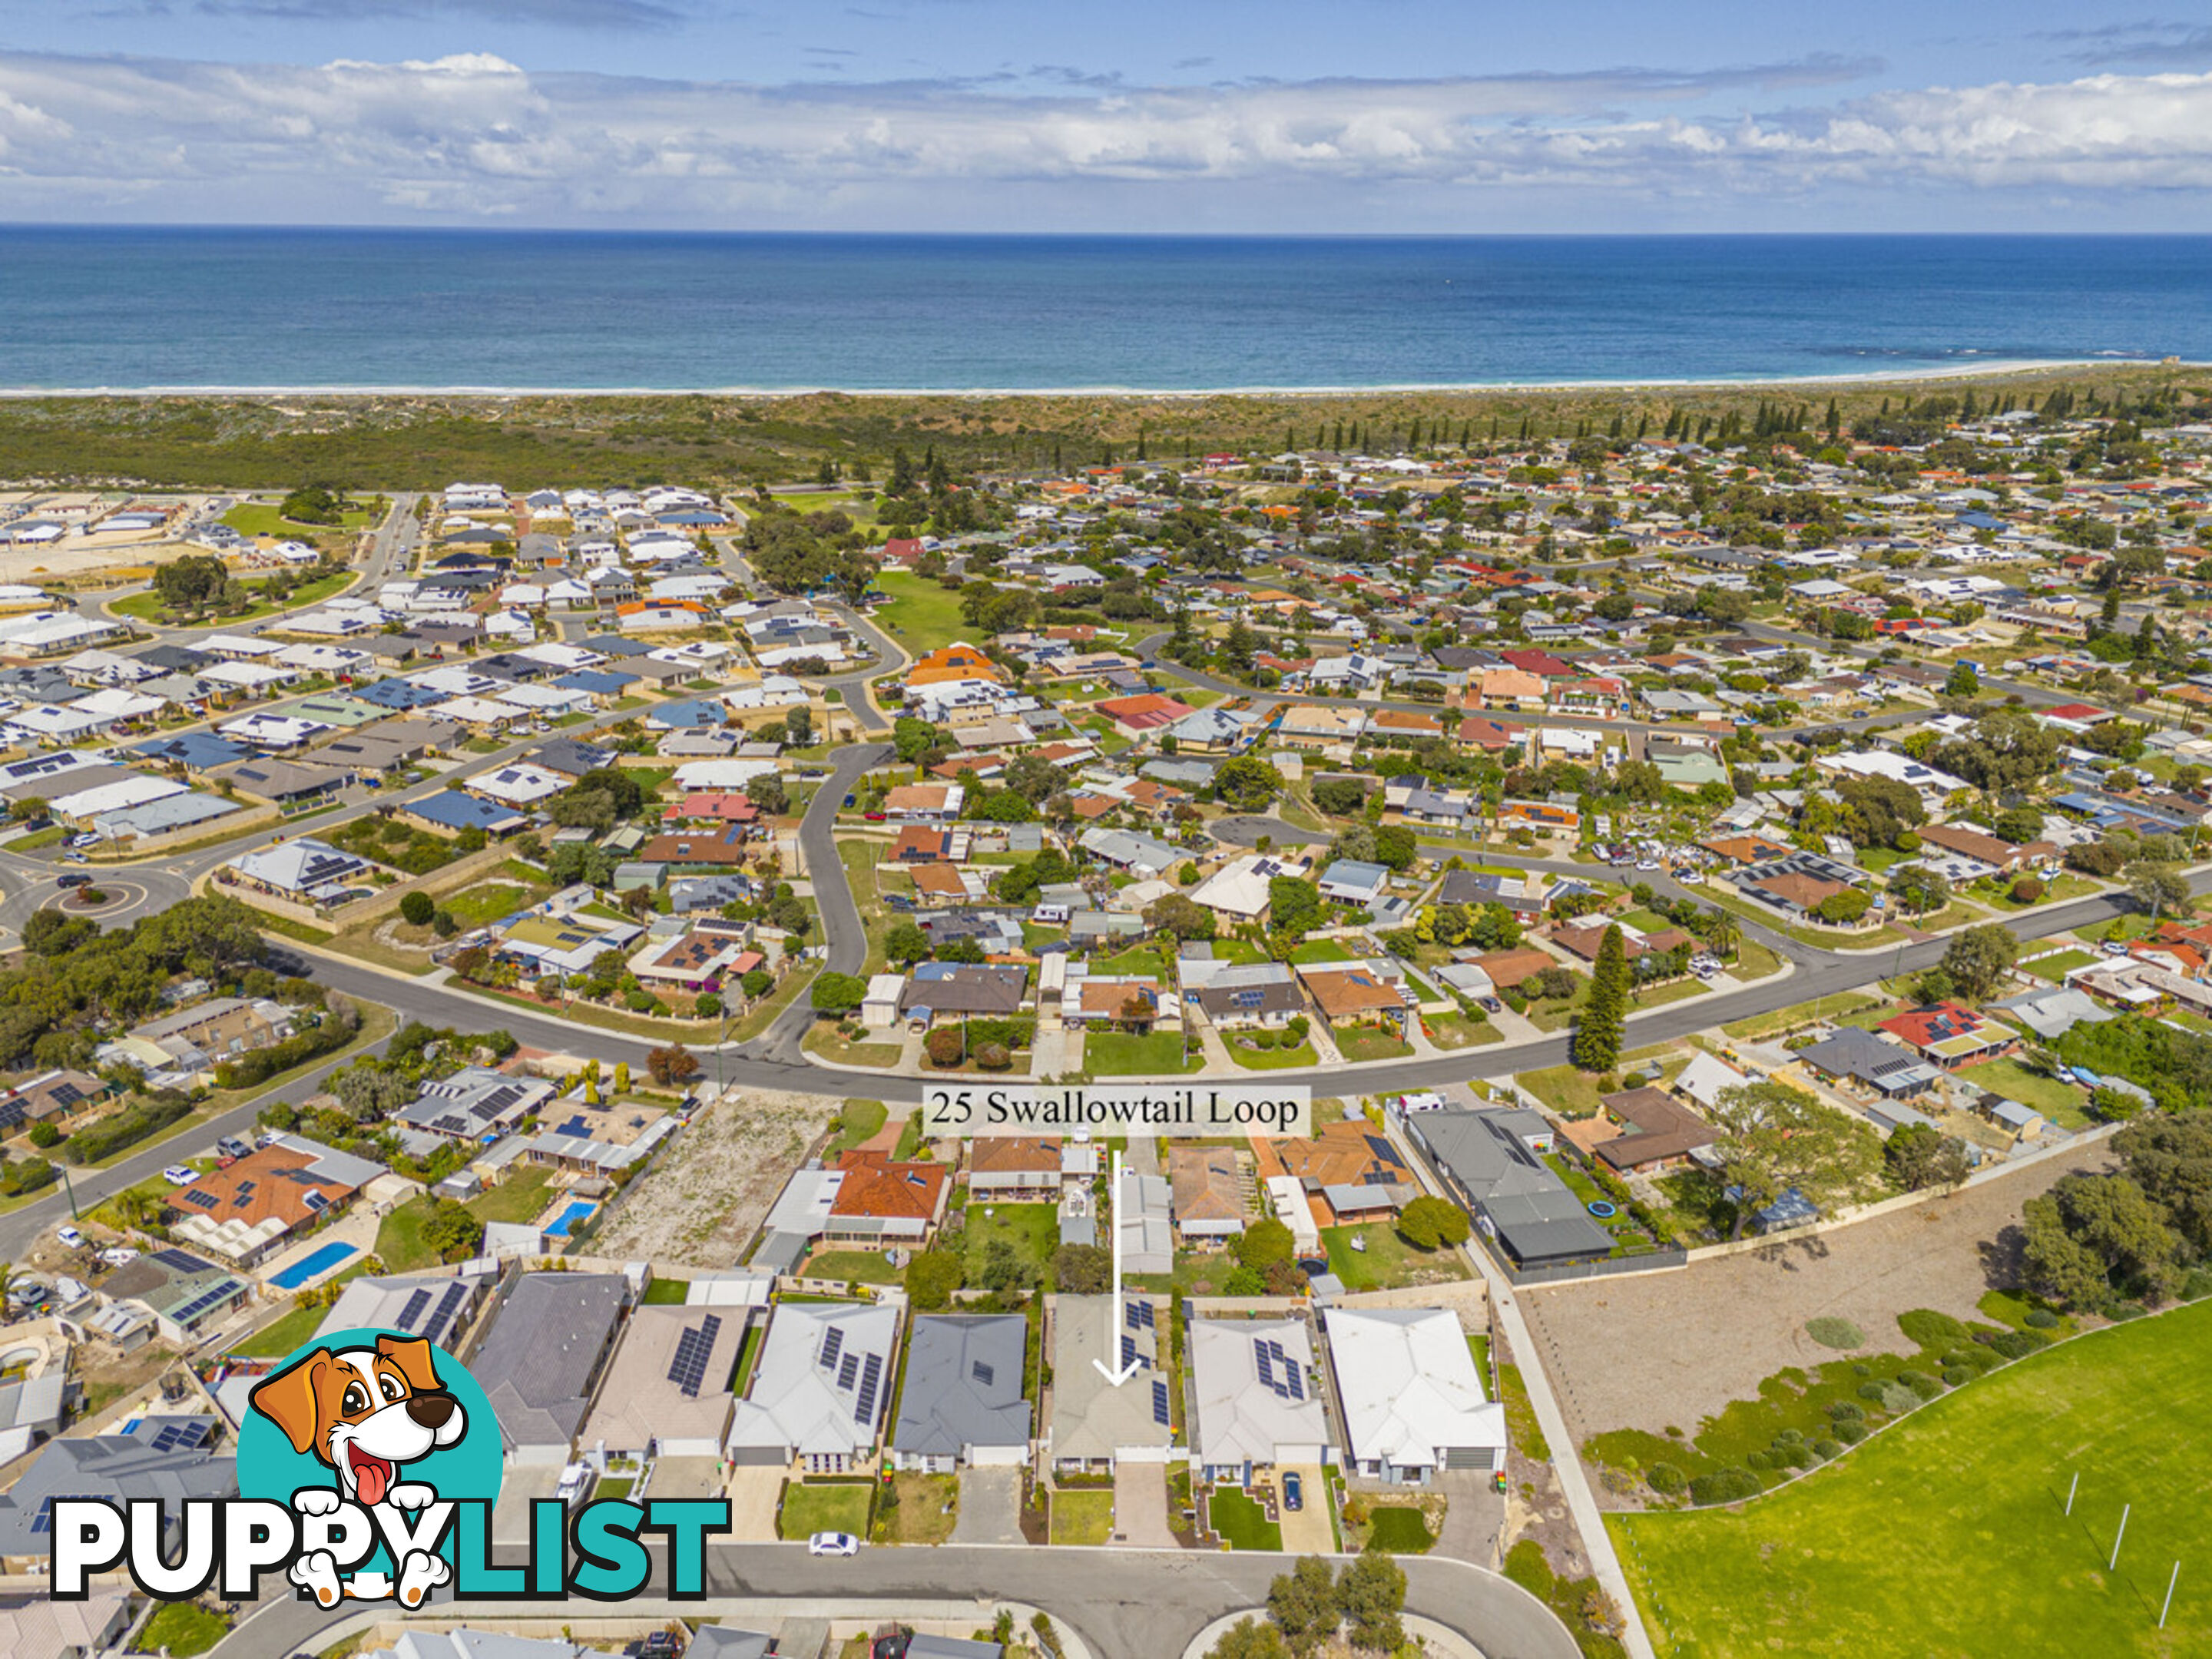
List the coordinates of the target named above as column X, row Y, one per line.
column 1724, row 932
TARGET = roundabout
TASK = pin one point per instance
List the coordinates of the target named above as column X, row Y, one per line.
column 123, row 897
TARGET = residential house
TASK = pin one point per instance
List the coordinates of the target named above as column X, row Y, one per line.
column 667, row 1391
column 818, row 1387
column 545, row 1359
column 885, row 1201
column 1411, row 1401
column 1212, row 1191
column 1255, row 1400
column 1487, row 1158
column 1096, row 1424
column 964, row 1403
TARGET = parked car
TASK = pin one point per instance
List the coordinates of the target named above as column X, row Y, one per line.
column 74, row 858
column 84, row 838
column 73, row 879
column 179, row 1175
column 1294, row 1493
column 875, row 817
column 849, row 799
column 231, row 1148
column 1492, row 1006
column 71, row 1237
column 833, row 1543
column 119, row 1256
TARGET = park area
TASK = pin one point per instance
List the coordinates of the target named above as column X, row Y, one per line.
column 1947, row 1533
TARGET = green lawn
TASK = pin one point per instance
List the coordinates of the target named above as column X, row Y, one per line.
column 1358, row 1043
column 1120, row 1054
column 812, row 1506
column 667, row 1292
column 857, row 1121
column 1270, row 1059
column 482, row 905
column 1973, row 1487
column 851, row 1268
column 1388, row 1260
column 1082, row 1517
column 1032, row 1229
column 521, row 1197
column 1399, row 1530
column 2059, row 1101
column 183, row 1629
column 922, row 616
column 1315, row 951
column 1144, row 960
column 1458, row 1031
column 1243, row 1524
column 2057, row 968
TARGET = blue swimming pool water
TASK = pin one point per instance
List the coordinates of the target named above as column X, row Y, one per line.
column 307, row 1267
column 569, row 1218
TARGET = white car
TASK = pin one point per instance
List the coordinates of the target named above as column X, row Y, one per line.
column 71, row 1237
column 833, row 1543
column 177, row 1175
column 119, row 1256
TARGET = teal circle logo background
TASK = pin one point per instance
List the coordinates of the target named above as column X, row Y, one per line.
column 471, row 1467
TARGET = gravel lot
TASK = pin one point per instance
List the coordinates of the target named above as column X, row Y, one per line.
column 702, row 1203
column 1672, row 1349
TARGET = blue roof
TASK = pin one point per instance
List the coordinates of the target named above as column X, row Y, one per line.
column 604, row 681
column 455, row 811
column 399, row 694
column 689, row 716
column 193, row 749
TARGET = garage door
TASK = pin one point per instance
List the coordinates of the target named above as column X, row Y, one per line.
column 1483, row 1458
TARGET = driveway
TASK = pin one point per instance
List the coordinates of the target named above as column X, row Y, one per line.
column 1306, row 1531
column 1476, row 1520
column 990, row 1507
column 752, row 1493
column 1141, row 1506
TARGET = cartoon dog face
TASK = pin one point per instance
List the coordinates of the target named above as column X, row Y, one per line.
column 363, row 1410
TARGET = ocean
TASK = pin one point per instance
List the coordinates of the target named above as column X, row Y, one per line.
column 170, row 308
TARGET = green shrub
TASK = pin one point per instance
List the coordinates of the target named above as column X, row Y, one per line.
column 2018, row 1345
column 1824, row 1449
column 45, row 1136
column 1896, row 1399
column 1666, row 1481
column 1761, row 1461
column 1875, row 1392
column 1835, row 1333
column 1926, row 1328
column 1958, row 1376
column 1845, row 1411
column 1788, row 1436
column 1851, row 1431
column 2042, row 1319
column 2194, row 1288
column 2120, row 1312
column 1725, row 1486
column 1862, row 1370
column 1921, row 1383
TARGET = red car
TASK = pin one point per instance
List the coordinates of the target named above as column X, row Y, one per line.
column 874, row 818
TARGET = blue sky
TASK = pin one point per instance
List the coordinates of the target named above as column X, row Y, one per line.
column 1288, row 116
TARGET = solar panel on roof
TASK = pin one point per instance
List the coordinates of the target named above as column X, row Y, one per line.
column 833, row 1342
column 1129, row 1351
column 863, row 1407
column 846, row 1369
column 182, row 1260
column 182, row 1436
column 416, row 1301
column 688, row 1369
column 984, row 1373
column 1263, row 1361
column 1296, row 1376
column 449, row 1306
column 204, row 1201
column 1160, row 1404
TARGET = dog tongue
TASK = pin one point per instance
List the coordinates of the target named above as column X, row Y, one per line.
column 371, row 1476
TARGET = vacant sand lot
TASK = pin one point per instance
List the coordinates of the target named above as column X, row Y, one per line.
column 703, row 1201
column 1672, row 1349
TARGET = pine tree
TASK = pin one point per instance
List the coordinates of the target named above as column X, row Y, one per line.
column 1605, row 1015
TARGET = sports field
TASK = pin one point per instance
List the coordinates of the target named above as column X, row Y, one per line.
column 1945, row 1534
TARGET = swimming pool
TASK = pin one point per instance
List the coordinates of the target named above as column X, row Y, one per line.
column 569, row 1218
column 308, row 1266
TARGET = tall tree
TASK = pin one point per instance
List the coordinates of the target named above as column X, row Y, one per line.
column 1978, row 958
column 1604, row 1017
column 1776, row 1139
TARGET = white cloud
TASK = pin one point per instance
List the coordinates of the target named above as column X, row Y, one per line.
column 476, row 135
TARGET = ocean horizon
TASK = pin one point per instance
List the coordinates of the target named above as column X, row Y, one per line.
column 217, row 309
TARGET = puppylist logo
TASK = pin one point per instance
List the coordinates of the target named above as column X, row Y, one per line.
column 368, row 1469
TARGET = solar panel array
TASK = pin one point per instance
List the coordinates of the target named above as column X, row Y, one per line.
column 847, row 1369
column 448, row 1310
column 1160, row 1404
column 44, row 1520
column 416, row 1301
column 1138, row 1315
column 221, row 1293
column 983, row 1373
column 186, row 1435
column 864, row 1408
column 1269, row 1359
column 833, row 1342
column 201, row 1200
column 688, row 1369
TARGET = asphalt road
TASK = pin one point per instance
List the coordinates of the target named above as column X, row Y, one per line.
column 833, row 896
column 1124, row 1604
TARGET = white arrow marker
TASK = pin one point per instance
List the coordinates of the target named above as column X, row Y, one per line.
column 1113, row 1307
